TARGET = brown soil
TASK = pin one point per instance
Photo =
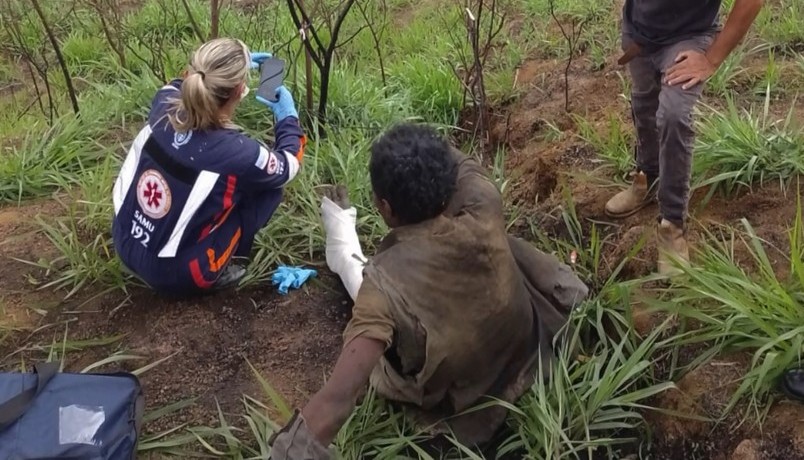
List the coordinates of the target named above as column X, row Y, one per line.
column 292, row 341
column 21, row 306
column 542, row 166
column 704, row 392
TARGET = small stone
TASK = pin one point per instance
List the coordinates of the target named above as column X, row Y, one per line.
column 747, row 450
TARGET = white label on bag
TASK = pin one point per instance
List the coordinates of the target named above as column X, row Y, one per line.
column 80, row 424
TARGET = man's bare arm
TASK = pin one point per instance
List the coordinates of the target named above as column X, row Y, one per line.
column 693, row 67
column 328, row 409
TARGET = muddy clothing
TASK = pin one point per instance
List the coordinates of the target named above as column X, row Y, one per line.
column 464, row 310
column 295, row 442
column 657, row 23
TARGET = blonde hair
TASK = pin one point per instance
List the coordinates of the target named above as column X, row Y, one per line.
column 216, row 69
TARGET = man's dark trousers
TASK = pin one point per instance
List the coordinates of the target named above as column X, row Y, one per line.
column 664, row 123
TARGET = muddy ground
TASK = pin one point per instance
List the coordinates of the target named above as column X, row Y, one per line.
column 291, row 340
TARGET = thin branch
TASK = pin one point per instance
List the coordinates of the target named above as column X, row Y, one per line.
column 308, row 56
column 346, row 41
column 193, row 24
column 478, row 86
column 36, row 87
column 59, row 57
column 307, row 27
column 377, row 37
column 492, row 32
column 572, row 41
column 214, row 18
column 339, row 22
column 252, row 13
column 461, row 79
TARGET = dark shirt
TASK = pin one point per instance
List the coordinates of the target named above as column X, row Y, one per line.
column 665, row 22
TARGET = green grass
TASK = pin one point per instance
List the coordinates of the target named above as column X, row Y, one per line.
column 48, row 159
column 731, row 71
column 755, row 311
column 374, row 430
column 782, row 25
column 85, row 53
column 295, row 234
column 593, row 405
column 741, row 148
column 612, row 143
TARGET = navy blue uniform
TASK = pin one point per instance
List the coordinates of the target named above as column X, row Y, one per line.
column 186, row 203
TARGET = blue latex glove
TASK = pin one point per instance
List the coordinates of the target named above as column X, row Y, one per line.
column 284, row 107
column 258, row 58
column 287, row 277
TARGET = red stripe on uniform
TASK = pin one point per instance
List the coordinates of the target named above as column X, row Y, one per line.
column 198, row 277
column 220, row 218
column 205, row 233
column 230, row 189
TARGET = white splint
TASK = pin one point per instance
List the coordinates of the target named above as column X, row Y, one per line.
column 344, row 255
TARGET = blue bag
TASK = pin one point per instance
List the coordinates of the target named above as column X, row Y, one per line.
column 52, row 415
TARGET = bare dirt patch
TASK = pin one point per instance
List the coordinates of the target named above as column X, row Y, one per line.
column 704, row 392
column 21, row 307
column 291, row 340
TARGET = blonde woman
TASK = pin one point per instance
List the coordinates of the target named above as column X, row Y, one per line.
column 194, row 190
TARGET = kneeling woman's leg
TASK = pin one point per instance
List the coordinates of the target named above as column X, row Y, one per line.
column 207, row 264
column 210, row 262
column 254, row 213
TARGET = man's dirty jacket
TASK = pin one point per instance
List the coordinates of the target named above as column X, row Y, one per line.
column 472, row 311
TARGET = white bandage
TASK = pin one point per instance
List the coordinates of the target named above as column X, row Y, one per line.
column 344, row 255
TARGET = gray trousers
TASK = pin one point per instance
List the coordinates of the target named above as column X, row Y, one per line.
column 664, row 124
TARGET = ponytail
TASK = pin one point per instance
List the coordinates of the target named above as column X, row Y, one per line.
column 216, row 70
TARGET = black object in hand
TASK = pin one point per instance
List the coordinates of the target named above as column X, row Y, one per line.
column 272, row 72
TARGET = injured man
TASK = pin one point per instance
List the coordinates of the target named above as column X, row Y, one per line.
column 449, row 314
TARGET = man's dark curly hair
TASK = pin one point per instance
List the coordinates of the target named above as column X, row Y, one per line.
column 414, row 170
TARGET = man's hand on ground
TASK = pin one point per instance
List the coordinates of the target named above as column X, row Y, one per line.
column 294, row 441
column 338, row 194
column 691, row 68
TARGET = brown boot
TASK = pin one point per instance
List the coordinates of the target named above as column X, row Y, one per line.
column 672, row 245
column 630, row 200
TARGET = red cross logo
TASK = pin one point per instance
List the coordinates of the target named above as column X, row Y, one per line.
column 153, row 194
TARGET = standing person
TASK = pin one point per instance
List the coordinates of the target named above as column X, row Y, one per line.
column 451, row 310
column 671, row 47
column 194, row 190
